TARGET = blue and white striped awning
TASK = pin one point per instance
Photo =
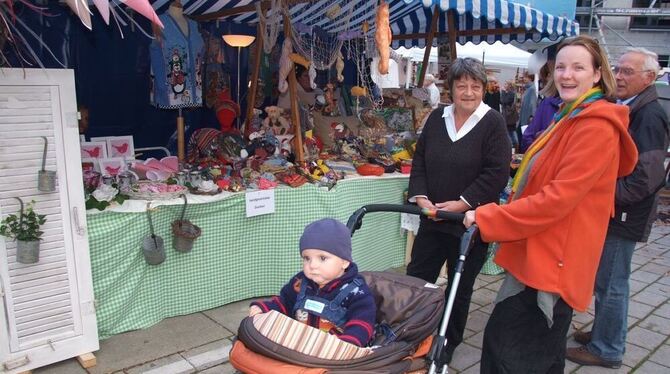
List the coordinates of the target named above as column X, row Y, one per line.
column 410, row 17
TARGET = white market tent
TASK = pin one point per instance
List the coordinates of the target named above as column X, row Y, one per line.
column 496, row 54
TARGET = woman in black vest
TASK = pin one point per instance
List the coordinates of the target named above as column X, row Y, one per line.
column 461, row 162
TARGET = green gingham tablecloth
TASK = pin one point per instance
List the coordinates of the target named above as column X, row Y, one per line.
column 236, row 257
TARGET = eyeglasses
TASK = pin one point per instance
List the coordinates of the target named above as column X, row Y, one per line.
column 627, row 71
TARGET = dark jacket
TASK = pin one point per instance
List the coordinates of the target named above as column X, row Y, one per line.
column 358, row 328
column 636, row 196
column 543, row 117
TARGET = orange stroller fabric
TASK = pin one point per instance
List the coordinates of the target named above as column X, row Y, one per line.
column 250, row 362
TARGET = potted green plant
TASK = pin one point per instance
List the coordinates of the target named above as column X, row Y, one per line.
column 25, row 229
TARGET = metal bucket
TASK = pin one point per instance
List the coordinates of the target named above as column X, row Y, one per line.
column 27, row 252
column 184, row 233
column 152, row 245
column 46, row 179
column 153, row 249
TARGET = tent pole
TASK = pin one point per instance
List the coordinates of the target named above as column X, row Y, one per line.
column 251, row 97
column 429, row 44
column 180, row 136
column 451, row 19
column 293, row 95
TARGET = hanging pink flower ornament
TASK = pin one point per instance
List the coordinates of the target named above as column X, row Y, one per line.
column 144, row 8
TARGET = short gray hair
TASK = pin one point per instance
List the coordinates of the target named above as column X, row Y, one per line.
column 466, row 67
column 650, row 58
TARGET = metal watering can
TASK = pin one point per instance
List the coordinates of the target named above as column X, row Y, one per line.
column 184, row 233
column 152, row 245
column 46, row 179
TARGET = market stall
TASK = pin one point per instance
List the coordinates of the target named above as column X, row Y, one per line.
column 235, row 256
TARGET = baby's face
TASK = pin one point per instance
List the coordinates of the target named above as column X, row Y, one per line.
column 321, row 266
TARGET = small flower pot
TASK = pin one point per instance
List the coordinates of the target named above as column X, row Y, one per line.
column 27, row 252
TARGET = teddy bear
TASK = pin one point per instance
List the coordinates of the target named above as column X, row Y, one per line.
column 274, row 123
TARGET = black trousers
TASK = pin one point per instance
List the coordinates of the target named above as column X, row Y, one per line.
column 518, row 340
column 430, row 250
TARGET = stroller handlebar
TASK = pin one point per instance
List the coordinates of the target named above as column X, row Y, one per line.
column 356, row 218
column 467, row 241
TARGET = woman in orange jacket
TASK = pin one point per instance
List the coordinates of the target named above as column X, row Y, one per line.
column 553, row 229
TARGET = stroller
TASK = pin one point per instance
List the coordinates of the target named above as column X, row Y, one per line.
column 408, row 313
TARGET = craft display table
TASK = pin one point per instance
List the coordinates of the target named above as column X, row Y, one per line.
column 236, row 258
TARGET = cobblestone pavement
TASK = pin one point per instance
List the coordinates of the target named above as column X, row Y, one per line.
column 181, row 344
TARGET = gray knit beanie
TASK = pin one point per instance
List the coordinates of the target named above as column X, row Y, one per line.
column 328, row 235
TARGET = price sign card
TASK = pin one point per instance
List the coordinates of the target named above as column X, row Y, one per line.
column 260, row 202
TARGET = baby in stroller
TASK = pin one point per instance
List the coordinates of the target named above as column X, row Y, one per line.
column 328, row 294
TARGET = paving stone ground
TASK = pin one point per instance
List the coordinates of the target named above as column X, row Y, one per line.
column 199, row 343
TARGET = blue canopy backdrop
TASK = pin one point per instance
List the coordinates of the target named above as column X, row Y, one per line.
column 112, row 72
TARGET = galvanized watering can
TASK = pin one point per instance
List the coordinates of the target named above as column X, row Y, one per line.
column 184, row 233
column 152, row 245
column 46, row 179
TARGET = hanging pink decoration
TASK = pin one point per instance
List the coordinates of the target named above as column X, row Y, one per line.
column 103, row 8
column 144, row 8
column 80, row 8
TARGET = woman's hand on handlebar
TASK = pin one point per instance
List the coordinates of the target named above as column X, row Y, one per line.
column 469, row 218
column 424, row 203
column 456, row 206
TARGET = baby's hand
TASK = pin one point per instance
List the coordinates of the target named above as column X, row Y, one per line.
column 253, row 310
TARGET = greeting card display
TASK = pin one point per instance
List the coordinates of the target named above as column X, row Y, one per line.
column 112, row 166
column 93, row 150
column 121, row 146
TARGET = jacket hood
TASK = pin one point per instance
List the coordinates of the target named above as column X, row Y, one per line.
column 618, row 117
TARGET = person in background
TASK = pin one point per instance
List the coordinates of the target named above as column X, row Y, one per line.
column 467, row 140
column 528, row 103
column 83, row 118
column 636, row 200
column 552, row 230
column 492, row 95
column 306, row 94
column 434, row 92
column 546, row 109
column 510, row 111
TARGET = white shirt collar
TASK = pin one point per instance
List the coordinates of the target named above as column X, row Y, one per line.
column 627, row 101
column 469, row 124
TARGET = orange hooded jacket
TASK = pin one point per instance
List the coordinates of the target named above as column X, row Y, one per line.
column 552, row 235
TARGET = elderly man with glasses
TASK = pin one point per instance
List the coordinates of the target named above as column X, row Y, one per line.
column 636, row 200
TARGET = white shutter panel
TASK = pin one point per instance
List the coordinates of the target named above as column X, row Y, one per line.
column 48, row 305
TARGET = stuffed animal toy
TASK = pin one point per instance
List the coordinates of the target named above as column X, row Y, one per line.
column 260, row 145
column 275, row 124
column 255, row 123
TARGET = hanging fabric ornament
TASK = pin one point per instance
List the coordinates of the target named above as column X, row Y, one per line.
column 285, row 65
column 312, row 76
column 300, row 60
column 144, row 8
column 339, row 66
column 333, row 12
column 383, row 36
column 103, row 8
column 80, row 8
column 269, row 24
